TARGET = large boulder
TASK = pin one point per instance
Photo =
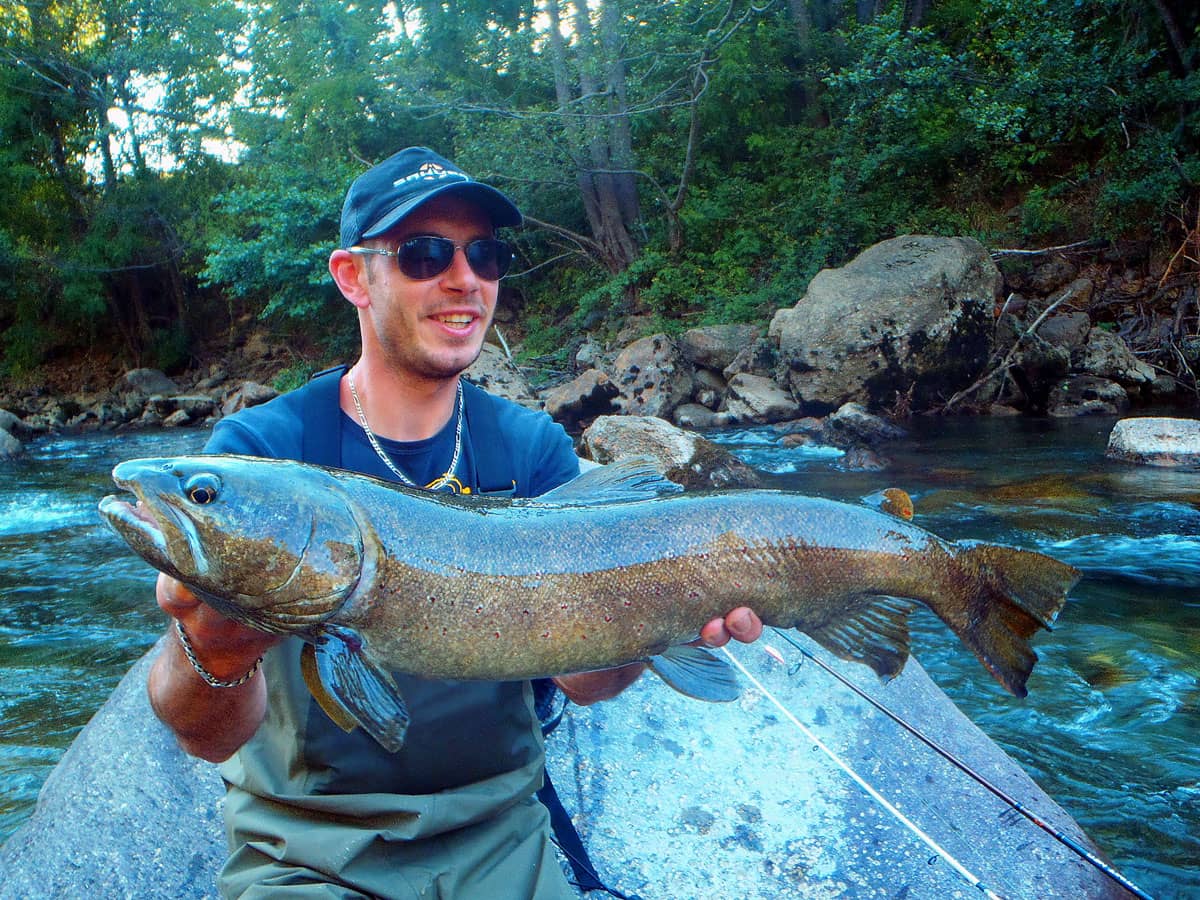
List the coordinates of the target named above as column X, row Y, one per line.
column 914, row 313
column 716, row 346
column 1106, row 355
column 1156, row 441
column 652, row 376
column 683, row 457
column 673, row 798
column 146, row 382
column 752, row 398
column 580, row 400
column 495, row 372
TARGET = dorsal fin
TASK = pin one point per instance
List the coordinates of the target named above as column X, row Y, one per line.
column 618, row 482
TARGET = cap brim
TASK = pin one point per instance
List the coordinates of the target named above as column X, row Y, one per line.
column 498, row 207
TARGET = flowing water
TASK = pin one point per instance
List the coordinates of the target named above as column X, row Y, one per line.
column 1111, row 728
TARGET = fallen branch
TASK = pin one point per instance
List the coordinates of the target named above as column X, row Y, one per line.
column 1078, row 245
column 1008, row 357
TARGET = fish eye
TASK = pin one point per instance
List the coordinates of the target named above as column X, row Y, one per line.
column 202, row 489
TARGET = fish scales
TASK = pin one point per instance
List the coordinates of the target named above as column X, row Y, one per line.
column 571, row 589
column 377, row 577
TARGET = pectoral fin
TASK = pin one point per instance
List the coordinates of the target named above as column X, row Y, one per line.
column 316, row 687
column 696, row 673
column 353, row 689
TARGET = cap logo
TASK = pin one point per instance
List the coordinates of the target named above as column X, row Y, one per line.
column 430, row 172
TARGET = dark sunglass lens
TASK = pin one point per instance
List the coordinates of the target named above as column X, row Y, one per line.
column 490, row 259
column 425, row 257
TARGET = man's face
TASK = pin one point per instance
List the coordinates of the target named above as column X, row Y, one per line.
column 432, row 328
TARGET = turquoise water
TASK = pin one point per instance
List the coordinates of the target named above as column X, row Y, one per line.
column 1111, row 727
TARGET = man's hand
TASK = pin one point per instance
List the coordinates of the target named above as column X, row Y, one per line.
column 742, row 624
column 209, row 722
column 224, row 647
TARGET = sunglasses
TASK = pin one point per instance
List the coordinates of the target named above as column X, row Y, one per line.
column 422, row 258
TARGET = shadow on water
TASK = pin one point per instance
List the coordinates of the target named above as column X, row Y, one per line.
column 1109, row 729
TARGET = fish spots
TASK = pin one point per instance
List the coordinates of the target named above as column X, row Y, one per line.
column 693, row 595
column 607, row 618
column 628, row 603
column 527, row 612
column 496, row 634
column 432, row 599
column 479, row 608
column 545, row 634
column 564, row 606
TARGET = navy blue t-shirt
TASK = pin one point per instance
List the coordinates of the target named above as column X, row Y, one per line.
column 460, row 733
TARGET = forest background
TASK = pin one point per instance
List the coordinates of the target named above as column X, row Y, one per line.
column 173, row 170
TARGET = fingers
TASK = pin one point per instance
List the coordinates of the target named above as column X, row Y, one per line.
column 175, row 598
column 742, row 624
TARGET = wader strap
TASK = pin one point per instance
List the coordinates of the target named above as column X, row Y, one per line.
column 493, row 458
column 319, row 443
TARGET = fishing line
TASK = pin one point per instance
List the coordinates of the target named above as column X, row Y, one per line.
column 962, row 870
column 1014, row 804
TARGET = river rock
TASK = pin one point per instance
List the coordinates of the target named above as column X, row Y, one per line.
column 125, row 813
column 146, row 382
column 652, row 377
column 1156, row 441
column 685, row 458
column 752, row 398
column 581, row 399
column 251, row 393
column 758, row 358
column 1106, row 355
column 496, row 373
column 184, row 408
column 1087, row 395
column 1069, row 331
column 852, row 426
column 708, row 388
column 11, row 422
column 912, row 313
column 697, row 416
column 10, row 447
column 716, row 346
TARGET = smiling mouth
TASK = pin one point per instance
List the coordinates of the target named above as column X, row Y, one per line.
column 457, row 320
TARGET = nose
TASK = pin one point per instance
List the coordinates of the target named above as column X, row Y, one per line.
column 460, row 276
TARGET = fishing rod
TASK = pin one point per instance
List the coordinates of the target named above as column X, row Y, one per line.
column 962, row 870
column 1065, row 839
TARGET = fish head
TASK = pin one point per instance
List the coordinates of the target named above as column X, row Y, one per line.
column 275, row 544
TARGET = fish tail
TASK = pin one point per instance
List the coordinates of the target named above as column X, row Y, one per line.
column 1013, row 594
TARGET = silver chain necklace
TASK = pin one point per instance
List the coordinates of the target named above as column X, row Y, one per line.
column 447, row 478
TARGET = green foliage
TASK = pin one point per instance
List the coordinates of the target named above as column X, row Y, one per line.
column 293, row 376
column 170, row 167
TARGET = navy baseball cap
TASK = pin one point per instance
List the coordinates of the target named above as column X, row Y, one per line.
column 384, row 194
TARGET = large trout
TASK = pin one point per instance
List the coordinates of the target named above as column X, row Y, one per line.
column 610, row 568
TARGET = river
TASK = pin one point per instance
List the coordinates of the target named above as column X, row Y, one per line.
column 1110, row 729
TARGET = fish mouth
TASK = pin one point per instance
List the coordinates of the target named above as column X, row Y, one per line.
column 134, row 522
column 142, row 525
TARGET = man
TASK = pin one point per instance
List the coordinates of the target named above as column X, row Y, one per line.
column 311, row 810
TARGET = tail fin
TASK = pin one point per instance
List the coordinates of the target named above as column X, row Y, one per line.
column 1022, row 592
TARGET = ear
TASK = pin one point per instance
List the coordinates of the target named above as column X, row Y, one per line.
column 349, row 274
